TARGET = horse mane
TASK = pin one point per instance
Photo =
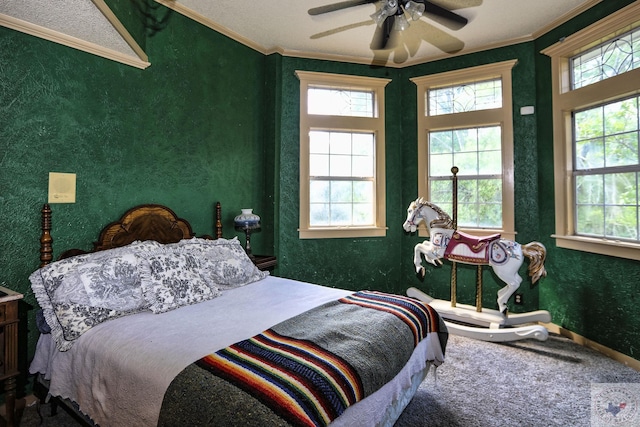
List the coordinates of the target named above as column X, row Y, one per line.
column 443, row 220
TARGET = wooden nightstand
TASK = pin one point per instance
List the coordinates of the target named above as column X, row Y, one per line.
column 264, row 262
column 9, row 348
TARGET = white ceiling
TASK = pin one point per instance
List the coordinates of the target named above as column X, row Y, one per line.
column 284, row 26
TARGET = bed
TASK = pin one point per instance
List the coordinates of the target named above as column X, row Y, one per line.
column 158, row 327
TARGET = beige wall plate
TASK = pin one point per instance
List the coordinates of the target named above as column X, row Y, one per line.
column 62, row 187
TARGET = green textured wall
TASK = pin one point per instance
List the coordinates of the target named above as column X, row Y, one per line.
column 186, row 132
column 367, row 263
column 593, row 295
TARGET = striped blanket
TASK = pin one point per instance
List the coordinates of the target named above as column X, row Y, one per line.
column 307, row 370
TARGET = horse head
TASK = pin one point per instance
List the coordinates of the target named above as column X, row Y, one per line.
column 413, row 219
column 421, row 210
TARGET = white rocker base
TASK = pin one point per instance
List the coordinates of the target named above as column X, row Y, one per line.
column 490, row 323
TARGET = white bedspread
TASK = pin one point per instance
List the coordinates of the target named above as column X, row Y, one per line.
column 119, row 370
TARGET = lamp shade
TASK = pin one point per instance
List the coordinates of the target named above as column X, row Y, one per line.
column 387, row 9
column 415, row 10
column 247, row 219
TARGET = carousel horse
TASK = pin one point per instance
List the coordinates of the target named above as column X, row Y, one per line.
column 504, row 256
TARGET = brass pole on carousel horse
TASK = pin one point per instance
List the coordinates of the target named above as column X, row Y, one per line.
column 479, row 289
column 454, row 266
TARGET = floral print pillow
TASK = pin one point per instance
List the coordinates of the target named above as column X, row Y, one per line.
column 77, row 293
column 174, row 279
column 225, row 263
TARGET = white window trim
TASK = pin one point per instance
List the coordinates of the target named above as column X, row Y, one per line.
column 502, row 116
column 375, row 124
column 565, row 101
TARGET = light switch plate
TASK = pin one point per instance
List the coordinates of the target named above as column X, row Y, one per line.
column 62, row 187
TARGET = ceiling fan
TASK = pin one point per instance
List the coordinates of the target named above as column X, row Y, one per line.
column 391, row 16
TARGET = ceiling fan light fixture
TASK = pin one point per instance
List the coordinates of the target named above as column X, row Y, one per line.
column 390, row 7
column 415, row 10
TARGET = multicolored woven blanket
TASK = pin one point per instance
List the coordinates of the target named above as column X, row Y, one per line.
column 307, row 370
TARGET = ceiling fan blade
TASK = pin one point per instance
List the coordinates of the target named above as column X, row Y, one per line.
column 450, row 19
column 338, row 6
column 341, row 29
column 383, row 34
column 438, row 38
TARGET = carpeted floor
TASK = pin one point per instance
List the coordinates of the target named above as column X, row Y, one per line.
column 524, row 384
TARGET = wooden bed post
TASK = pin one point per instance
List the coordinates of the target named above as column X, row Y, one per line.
column 46, row 241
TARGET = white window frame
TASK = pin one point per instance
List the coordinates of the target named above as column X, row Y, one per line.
column 565, row 101
column 498, row 116
column 374, row 124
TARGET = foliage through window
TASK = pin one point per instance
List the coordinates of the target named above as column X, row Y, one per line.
column 606, row 170
column 596, row 121
column 341, row 156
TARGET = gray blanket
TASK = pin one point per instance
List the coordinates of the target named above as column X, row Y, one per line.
column 369, row 336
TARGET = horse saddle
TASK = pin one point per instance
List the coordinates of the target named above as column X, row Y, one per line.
column 475, row 243
column 469, row 248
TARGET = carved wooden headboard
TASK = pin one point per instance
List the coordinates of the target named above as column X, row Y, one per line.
column 144, row 222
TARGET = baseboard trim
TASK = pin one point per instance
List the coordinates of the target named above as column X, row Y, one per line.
column 579, row 339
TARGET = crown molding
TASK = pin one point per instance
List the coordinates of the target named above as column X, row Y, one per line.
column 128, row 38
column 72, row 42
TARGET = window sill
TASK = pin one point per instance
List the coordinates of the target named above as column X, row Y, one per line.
column 600, row 246
column 342, row 232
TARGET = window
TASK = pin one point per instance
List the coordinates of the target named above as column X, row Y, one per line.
column 596, row 121
column 342, row 186
column 466, row 121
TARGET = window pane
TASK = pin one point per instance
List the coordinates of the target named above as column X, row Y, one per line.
column 621, row 222
column 340, row 191
column 490, row 162
column 441, row 191
column 478, row 155
column 621, row 150
column 318, row 165
column 607, row 205
column 467, row 191
column 340, row 166
column 590, row 154
column 590, row 190
column 467, row 163
column 607, row 135
column 440, row 164
column 479, row 201
column 319, row 192
column 606, row 60
column 363, row 192
column 348, row 200
column 341, row 203
column 340, row 102
column 440, row 142
column 362, row 214
column 620, row 189
column 341, row 154
column 474, row 151
column 590, row 220
column 341, row 214
column 362, row 166
column 465, row 97
column 319, row 214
